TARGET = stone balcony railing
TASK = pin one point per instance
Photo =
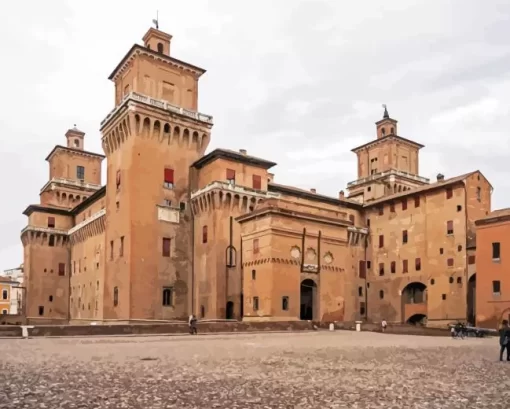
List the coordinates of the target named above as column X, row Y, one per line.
column 236, row 189
column 158, row 103
column 46, row 230
column 71, row 182
column 89, row 220
column 388, row 173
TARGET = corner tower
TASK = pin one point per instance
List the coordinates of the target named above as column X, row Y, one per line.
column 151, row 138
column 386, row 165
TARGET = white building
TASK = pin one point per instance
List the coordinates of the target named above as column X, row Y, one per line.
column 16, row 291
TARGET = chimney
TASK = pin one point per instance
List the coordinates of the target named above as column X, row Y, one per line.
column 243, row 152
column 440, row 177
column 341, row 195
column 313, row 190
column 270, row 177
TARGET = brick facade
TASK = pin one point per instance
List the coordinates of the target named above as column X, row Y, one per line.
column 175, row 231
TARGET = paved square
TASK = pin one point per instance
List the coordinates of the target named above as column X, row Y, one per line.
column 299, row 370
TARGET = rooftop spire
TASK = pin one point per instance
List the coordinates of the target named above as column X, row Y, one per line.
column 385, row 115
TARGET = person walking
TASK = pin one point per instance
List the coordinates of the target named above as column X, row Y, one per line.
column 384, row 324
column 504, row 340
column 192, row 324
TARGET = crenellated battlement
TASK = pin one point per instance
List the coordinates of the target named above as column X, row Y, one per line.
column 167, row 124
column 92, row 226
column 44, row 236
column 219, row 194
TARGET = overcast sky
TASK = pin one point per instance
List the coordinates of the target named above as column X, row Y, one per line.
column 297, row 82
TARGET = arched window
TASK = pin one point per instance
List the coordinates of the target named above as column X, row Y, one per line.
column 76, row 143
column 160, row 48
column 167, row 297
column 383, row 131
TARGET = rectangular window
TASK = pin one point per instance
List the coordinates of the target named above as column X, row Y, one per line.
column 449, row 262
column 381, row 241
column 381, row 269
column 168, row 178
column 168, row 296
column 360, row 291
column 362, row 308
column 255, row 246
column 449, row 227
column 417, row 201
column 121, row 250
column 61, row 269
column 253, row 274
column 381, row 210
column 404, row 204
column 115, row 296
column 41, row 310
column 496, row 249
column 417, row 264
column 404, row 236
column 405, row 267
column 471, row 259
column 369, row 264
column 255, row 303
column 257, row 182
column 362, row 271
column 496, row 287
column 74, row 267
column 166, row 247
column 479, row 194
column 231, row 176
column 393, row 267
column 449, row 193
column 51, row 241
column 51, row 222
column 285, row 303
column 111, row 250
column 392, row 207
column 80, row 172
column 117, row 181
column 368, row 222
column 204, row 234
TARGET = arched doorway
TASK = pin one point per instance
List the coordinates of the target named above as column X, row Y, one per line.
column 417, row 319
column 308, row 297
column 414, row 301
column 230, row 310
column 471, row 300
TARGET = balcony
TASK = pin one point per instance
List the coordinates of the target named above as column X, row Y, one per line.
column 71, row 182
column 233, row 188
column 391, row 172
column 158, row 103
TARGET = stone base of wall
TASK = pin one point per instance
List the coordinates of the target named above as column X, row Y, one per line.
column 207, row 327
column 12, row 319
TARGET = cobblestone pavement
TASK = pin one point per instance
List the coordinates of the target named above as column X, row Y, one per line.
column 300, row 370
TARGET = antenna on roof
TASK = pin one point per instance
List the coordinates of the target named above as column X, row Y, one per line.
column 155, row 21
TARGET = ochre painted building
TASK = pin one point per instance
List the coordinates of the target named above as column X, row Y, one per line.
column 493, row 267
column 175, row 231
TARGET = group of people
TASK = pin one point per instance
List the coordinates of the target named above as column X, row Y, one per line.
column 504, row 340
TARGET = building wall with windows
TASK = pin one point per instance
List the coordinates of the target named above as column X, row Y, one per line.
column 176, row 231
column 492, row 267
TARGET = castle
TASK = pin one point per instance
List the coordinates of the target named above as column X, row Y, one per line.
column 175, row 231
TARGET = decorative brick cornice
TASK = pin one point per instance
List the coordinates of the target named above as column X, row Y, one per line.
column 294, row 262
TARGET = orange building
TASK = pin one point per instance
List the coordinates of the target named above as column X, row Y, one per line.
column 492, row 267
column 175, row 231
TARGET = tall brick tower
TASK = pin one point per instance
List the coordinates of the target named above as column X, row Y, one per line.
column 151, row 138
column 387, row 165
column 74, row 175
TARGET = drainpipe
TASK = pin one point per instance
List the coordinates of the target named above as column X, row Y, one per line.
column 366, row 285
column 241, row 309
column 69, row 272
column 192, row 242
column 466, row 272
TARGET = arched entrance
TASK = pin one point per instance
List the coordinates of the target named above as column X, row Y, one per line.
column 414, row 301
column 471, row 300
column 417, row 319
column 230, row 310
column 308, row 297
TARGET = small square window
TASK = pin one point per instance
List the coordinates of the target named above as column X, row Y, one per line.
column 459, row 208
column 417, row 201
column 459, row 280
column 450, row 280
column 443, row 296
column 432, row 281
column 381, row 210
column 449, row 193
column 450, row 262
column 441, row 251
